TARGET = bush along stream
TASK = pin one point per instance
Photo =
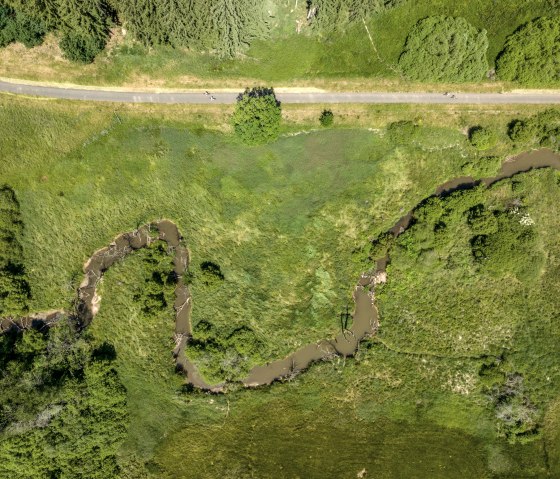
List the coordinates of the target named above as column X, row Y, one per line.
column 364, row 318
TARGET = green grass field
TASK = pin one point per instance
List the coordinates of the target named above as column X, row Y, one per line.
column 345, row 59
column 289, row 224
column 304, row 203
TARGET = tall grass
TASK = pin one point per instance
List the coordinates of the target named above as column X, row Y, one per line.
column 289, row 224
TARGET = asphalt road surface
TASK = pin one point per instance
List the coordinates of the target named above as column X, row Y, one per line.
column 322, row 97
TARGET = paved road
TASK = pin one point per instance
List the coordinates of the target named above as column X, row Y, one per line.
column 226, row 98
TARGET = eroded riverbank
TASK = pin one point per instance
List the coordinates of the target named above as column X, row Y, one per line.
column 123, row 245
column 365, row 316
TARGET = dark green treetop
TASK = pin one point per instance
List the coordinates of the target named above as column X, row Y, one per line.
column 531, row 55
column 441, row 48
column 257, row 116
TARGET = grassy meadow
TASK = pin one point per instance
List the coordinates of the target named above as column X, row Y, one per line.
column 289, row 225
column 305, row 204
column 342, row 60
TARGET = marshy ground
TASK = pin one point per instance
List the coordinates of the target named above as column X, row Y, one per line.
column 278, row 236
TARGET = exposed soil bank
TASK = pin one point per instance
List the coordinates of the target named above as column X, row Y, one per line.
column 543, row 158
column 365, row 317
column 35, row 321
column 365, row 323
column 124, row 244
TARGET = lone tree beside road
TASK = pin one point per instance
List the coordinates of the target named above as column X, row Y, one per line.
column 257, row 116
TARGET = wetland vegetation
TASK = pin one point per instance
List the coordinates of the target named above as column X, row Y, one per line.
column 457, row 380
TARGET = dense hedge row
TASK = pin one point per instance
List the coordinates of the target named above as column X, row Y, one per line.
column 438, row 48
column 224, row 26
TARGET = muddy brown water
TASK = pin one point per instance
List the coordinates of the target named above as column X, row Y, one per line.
column 344, row 344
column 124, row 244
column 364, row 318
column 530, row 160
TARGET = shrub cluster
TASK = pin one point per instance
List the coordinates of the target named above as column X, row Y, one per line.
column 159, row 286
column 531, row 54
column 483, row 166
column 518, row 419
column 211, row 274
column 441, row 48
column 224, row 354
column 403, row 132
column 482, row 138
column 495, row 233
column 499, row 240
column 542, row 129
column 327, row 118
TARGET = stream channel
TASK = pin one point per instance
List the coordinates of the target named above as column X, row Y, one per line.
column 364, row 318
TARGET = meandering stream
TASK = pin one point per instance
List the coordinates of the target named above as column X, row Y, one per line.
column 365, row 317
